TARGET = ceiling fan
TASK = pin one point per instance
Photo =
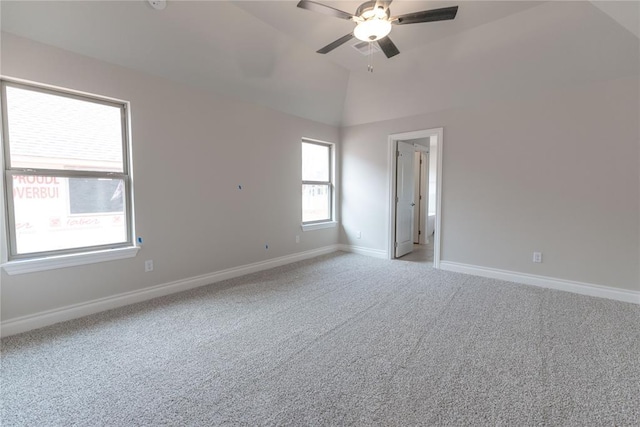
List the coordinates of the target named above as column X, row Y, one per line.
column 373, row 22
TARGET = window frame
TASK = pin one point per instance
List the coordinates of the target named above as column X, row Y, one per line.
column 9, row 172
column 312, row 225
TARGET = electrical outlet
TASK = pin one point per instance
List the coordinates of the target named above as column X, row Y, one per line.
column 358, row 234
column 297, row 239
column 537, row 257
column 148, row 265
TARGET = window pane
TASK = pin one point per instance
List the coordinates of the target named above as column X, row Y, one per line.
column 316, row 203
column 56, row 132
column 53, row 213
column 315, row 162
column 89, row 195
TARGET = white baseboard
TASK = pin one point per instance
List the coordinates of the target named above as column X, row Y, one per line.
column 50, row 317
column 376, row 253
column 545, row 282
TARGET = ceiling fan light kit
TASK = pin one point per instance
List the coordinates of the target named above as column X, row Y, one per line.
column 372, row 30
column 374, row 21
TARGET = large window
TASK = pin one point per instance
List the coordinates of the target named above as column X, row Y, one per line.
column 317, row 185
column 67, row 172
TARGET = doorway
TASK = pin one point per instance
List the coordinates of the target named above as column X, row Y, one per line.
column 405, row 202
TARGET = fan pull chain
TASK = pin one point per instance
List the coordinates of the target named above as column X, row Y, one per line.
column 370, row 65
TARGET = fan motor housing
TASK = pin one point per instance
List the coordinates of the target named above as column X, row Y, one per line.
column 367, row 6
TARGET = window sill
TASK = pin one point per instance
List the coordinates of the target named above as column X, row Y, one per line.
column 319, row 226
column 62, row 261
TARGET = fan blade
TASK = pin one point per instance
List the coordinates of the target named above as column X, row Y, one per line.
column 443, row 14
column 327, row 10
column 388, row 47
column 342, row 40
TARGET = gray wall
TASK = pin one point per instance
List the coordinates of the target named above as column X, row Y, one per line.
column 556, row 172
column 191, row 150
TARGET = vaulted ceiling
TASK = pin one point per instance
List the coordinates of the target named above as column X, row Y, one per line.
column 264, row 51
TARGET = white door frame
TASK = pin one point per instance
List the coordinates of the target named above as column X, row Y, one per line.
column 391, row 226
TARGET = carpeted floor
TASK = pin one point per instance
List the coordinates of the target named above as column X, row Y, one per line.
column 341, row 339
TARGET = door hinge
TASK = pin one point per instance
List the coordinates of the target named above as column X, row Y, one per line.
column 395, row 245
column 419, row 232
column 397, row 153
column 397, row 199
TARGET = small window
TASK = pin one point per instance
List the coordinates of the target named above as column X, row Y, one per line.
column 67, row 172
column 317, row 182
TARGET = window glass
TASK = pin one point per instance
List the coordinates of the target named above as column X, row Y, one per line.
column 317, row 185
column 316, row 203
column 67, row 172
column 55, row 213
column 57, row 132
column 315, row 162
column 90, row 195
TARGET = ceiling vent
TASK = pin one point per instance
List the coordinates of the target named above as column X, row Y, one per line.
column 363, row 47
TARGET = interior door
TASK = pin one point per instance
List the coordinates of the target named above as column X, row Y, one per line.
column 404, row 198
column 417, row 209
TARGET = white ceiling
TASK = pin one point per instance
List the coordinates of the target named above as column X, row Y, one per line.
column 553, row 46
column 626, row 13
column 264, row 51
column 316, row 30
